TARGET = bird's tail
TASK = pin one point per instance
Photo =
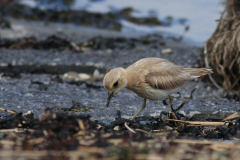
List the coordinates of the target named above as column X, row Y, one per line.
column 197, row 72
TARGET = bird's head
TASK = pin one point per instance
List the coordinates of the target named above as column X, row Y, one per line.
column 114, row 81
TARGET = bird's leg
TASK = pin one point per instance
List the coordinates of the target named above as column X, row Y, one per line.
column 142, row 108
column 169, row 105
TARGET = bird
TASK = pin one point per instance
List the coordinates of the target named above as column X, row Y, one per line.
column 150, row 78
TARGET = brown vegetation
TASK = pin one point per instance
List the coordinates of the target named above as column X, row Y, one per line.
column 223, row 48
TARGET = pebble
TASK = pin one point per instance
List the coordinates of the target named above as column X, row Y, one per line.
column 84, row 77
column 167, row 51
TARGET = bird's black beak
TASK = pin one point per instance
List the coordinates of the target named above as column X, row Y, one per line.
column 109, row 98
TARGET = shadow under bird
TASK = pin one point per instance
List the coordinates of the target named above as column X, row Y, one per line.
column 150, row 78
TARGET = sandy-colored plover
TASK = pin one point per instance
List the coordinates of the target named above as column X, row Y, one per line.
column 150, row 78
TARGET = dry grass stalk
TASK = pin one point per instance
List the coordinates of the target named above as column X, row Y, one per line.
column 81, row 124
column 130, row 129
column 7, row 111
column 223, row 48
column 197, row 123
column 231, row 117
column 146, row 132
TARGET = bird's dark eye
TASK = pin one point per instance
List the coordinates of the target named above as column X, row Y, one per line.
column 115, row 84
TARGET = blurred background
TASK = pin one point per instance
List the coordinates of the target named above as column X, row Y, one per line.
column 195, row 20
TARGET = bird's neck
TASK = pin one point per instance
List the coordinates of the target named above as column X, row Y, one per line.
column 128, row 79
column 131, row 76
column 124, row 77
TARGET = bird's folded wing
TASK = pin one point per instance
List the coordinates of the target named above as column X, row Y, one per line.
column 166, row 78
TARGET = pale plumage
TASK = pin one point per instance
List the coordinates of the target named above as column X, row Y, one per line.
column 150, row 78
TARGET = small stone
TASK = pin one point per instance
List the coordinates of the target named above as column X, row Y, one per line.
column 96, row 74
column 109, row 51
column 83, row 76
column 116, row 128
column 71, row 76
column 59, row 30
column 183, row 113
column 99, row 65
column 168, row 128
column 192, row 113
column 167, row 51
